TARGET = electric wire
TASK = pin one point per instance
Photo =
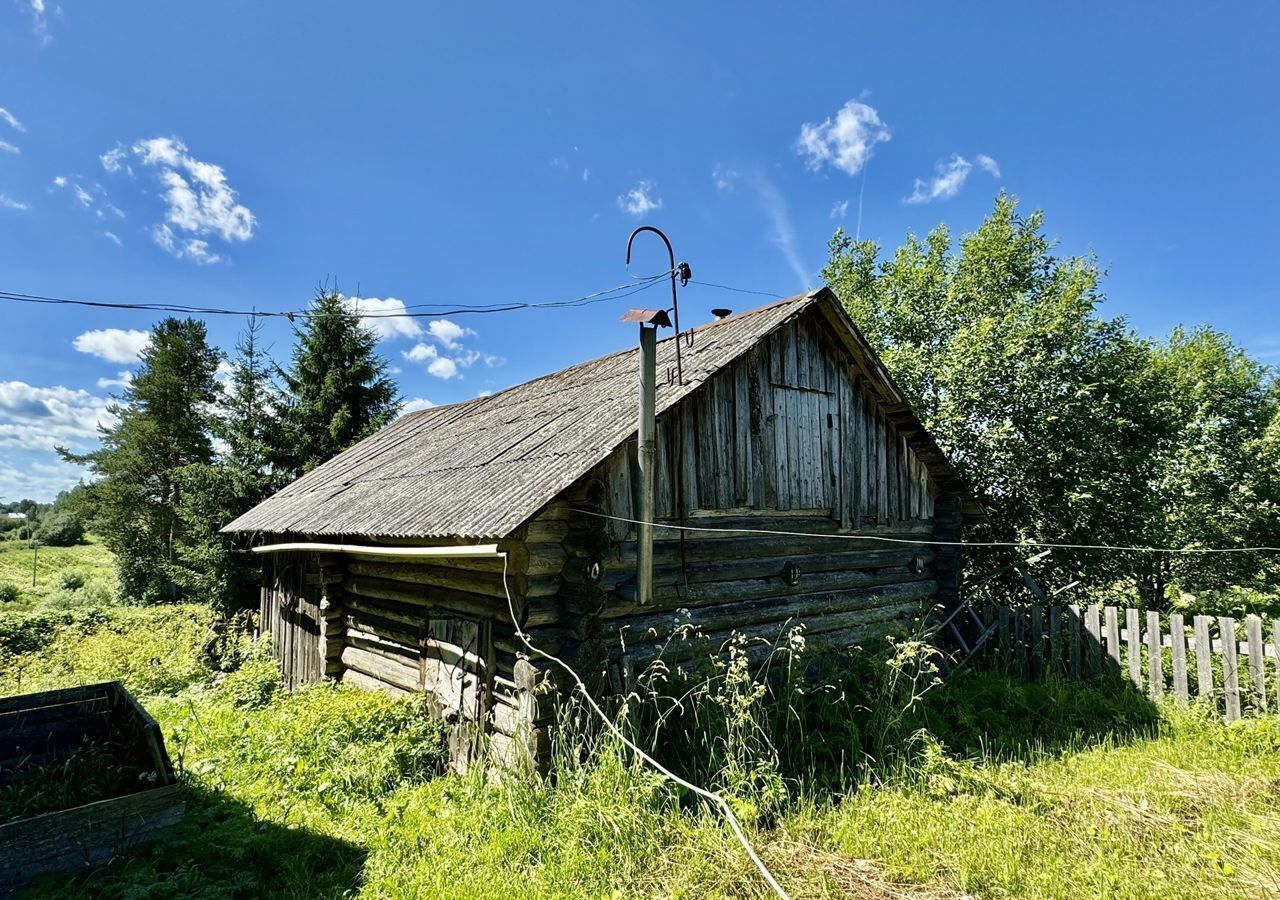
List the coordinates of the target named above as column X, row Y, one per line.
column 738, row 290
column 720, row 802
column 854, row 536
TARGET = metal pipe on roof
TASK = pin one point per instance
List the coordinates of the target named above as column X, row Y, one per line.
column 647, row 432
column 469, row 550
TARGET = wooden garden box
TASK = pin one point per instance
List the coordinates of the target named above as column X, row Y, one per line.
column 92, row 762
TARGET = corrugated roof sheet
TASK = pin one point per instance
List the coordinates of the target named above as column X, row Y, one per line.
column 481, row 468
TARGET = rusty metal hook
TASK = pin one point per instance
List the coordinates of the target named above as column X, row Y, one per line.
column 681, row 270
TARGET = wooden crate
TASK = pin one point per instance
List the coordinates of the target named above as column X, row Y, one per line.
column 39, row 730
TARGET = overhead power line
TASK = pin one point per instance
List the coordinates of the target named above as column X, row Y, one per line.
column 1017, row 545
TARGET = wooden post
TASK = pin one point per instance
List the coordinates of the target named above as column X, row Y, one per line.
column 1111, row 616
column 647, row 447
column 1155, row 659
column 1073, row 640
column 1133, row 637
column 1178, row 636
column 1275, row 642
column 1204, row 657
column 1230, row 673
column 1093, row 658
column 1055, row 640
column 1037, row 640
column 1257, row 669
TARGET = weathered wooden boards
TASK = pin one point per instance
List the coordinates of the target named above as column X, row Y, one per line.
column 42, row 729
column 1239, row 674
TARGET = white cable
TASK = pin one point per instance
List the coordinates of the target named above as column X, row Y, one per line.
column 661, row 769
column 1028, row 545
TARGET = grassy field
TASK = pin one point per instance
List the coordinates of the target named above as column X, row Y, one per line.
column 83, row 575
column 999, row 789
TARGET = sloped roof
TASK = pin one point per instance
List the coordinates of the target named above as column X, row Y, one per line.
column 482, row 467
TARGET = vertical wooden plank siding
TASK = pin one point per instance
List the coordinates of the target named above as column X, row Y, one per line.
column 1111, row 616
column 1204, row 657
column 1037, row 641
column 1257, row 672
column 1178, row 654
column 1155, row 658
column 1230, row 670
column 1055, row 666
column 1073, row 640
column 1133, row 638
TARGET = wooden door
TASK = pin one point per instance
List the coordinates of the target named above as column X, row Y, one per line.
column 290, row 613
column 457, row 661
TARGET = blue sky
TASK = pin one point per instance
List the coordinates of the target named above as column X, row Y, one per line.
column 240, row 153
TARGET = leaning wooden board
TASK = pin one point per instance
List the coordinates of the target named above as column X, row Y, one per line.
column 47, row 726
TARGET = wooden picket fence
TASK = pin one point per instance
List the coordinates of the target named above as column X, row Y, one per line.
column 1153, row 651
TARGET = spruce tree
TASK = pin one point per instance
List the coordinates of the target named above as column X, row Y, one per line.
column 162, row 423
column 338, row 390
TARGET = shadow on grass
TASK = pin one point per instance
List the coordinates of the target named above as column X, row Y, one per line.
column 1008, row 716
column 221, row 851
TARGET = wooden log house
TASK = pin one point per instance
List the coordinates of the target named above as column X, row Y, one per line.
column 786, row 421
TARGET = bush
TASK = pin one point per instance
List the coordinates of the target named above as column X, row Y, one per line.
column 60, row 528
column 71, row 579
column 8, row 592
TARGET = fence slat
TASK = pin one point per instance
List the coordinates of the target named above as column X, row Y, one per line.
column 1020, row 638
column 1257, row 672
column 1155, row 658
column 1003, row 615
column 1178, row 642
column 1093, row 643
column 1073, row 639
column 1111, row 616
column 1037, row 640
column 1275, row 641
column 1055, row 640
column 1134, row 640
column 1204, row 657
column 1230, row 673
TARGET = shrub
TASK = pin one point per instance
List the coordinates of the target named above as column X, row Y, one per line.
column 71, row 579
column 8, row 592
column 60, row 528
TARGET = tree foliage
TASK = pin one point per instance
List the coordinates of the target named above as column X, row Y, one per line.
column 337, row 390
column 1068, row 426
column 162, row 423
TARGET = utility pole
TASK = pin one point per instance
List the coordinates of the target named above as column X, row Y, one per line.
column 646, row 432
column 35, row 558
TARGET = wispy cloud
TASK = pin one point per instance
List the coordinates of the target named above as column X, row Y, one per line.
column 385, row 318
column 840, row 209
column 40, row 21
column 113, row 238
column 640, row 200
column 845, row 141
column 122, row 380
column 115, row 345
column 93, row 197
column 42, row 418
column 782, row 233
column 7, row 202
column 949, row 178
column 11, row 120
column 724, row 178
column 8, row 148
column 444, row 353
column 200, row 202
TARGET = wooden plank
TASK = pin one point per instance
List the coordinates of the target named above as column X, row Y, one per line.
column 1020, row 638
column 1133, row 637
column 1204, row 657
column 1003, row 617
column 1230, row 667
column 1178, row 654
column 741, row 421
column 1155, row 657
column 1275, row 643
column 1055, row 666
column 1111, row 617
column 1093, row 645
column 1037, row 641
column 1257, row 671
column 1073, row 641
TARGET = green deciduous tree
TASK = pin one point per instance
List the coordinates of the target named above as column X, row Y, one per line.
column 337, row 388
column 1068, row 426
column 162, row 424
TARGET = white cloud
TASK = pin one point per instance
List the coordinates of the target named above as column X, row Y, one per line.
column 448, row 334
column 93, row 198
column 586, row 174
column 114, row 344
column 639, row 200
column 59, row 181
column 782, row 233
column 493, row 360
column 379, row 316
column 122, row 380
column 200, row 203
column 724, row 179
column 42, row 418
column 85, row 198
column 193, row 249
column 415, row 405
column 8, row 148
column 115, row 160
column 113, row 238
column 442, row 367
column 845, row 142
column 420, row 353
column 950, row 178
column 38, row 480
column 11, row 120
column 840, row 210
column 8, row 202
column 39, row 21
